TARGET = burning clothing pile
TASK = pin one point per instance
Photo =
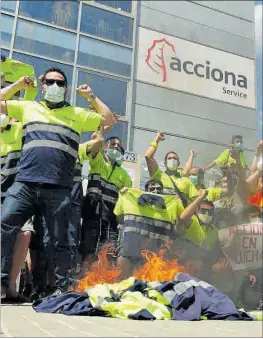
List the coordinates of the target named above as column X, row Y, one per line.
column 183, row 298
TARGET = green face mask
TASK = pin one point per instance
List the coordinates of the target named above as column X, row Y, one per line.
column 115, row 156
column 238, row 146
column 194, row 179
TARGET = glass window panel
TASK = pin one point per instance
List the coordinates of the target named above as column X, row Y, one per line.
column 121, row 5
column 44, row 40
column 119, row 130
column 41, row 65
column 8, row 6
column 60, row 13
column 6, row 30
column 5, row 52
column 104, row 56
column 107, row 25
column 112, row 92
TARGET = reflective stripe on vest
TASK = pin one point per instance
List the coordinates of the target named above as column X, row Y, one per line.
column 10, row 156
column 51, row 128
column 153, row 228
column 151, row 235
column 97, row 179
column 182, row 287
column 9, row 171
column 147, row 221
column 104, row 196
column 77, row 172
column 52, row 144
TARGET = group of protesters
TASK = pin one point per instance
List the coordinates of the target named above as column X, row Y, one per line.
column 48, row 222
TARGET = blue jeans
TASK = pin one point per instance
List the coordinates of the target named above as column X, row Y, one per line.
column 54, row 203
column 73, row 233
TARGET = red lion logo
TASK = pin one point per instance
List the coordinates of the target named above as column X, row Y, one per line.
column 157, row 62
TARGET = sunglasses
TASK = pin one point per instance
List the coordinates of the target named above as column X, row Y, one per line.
column 152, row 188
column 50, row 82
column 205, row 210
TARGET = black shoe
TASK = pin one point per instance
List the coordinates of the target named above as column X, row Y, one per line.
column 27, row 291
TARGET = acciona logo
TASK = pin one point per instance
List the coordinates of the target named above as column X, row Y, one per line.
column 161, row 58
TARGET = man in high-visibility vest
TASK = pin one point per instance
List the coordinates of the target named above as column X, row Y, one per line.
column 52, row 131
column 149, row 221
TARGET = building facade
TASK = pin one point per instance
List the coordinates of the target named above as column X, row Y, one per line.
column 183, row 67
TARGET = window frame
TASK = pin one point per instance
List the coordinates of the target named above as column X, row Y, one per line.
column 39, row 55
column 47, row 23
column 12, row 31
column 100, row 70
column 105, row 75
column 110, row 9
column 106, row 9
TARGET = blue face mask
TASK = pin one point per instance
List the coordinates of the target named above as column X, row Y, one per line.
column 115, row 156
column 194, row 179
column 224, row 185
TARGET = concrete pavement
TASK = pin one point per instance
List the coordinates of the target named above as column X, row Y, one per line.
column 23, row 321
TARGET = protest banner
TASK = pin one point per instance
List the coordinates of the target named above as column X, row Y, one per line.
column 242, row 245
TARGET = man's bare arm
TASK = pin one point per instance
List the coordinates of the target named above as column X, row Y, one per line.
column 107, row 116
column 23, row 83
column 149, row 155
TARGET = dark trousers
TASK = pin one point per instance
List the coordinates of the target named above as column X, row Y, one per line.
column 54, row 204
column 40, row 243
column 95, row 233
column 73, row 233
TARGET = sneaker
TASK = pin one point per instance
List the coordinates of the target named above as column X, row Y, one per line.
column 57, row 292
column 28, row 290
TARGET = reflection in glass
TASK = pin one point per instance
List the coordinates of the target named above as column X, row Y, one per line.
column 41, row 65
column 112, row 92
column 104, row 56
column 44, row 40
column 119, row 130
column 8, row 6
column 107, row 25
column 6, row 30
column 60, row 13
column 122, row 5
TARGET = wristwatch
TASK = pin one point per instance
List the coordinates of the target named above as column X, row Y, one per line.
column 92, row 96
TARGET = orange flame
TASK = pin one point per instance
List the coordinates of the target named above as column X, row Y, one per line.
column 101, row 271
column 156, row 268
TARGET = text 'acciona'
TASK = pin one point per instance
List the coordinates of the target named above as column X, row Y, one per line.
column 205, row 71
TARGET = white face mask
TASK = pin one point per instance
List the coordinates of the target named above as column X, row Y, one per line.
column 204, row 218
column 260, row 163
column 55, row 93
column 172, row 164
column 4, row 120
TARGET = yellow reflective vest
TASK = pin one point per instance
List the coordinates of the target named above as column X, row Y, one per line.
column 11, row 143
column 14, row 70
column 151, row 215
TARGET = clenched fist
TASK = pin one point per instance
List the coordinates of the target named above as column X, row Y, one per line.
column 84, row 91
